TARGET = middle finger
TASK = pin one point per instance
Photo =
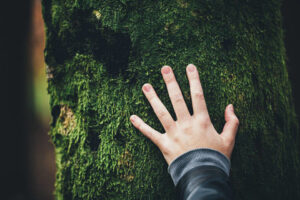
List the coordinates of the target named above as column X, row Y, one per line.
column 160, row 110
column 175, row 94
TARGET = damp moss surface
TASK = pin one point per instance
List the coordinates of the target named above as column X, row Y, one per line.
column 100, row 53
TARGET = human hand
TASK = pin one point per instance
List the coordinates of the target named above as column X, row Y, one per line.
column 189, row 131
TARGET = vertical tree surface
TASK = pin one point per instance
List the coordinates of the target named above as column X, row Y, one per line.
column 100, row 53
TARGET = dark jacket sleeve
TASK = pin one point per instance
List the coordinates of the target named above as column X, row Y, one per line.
column 201, row 174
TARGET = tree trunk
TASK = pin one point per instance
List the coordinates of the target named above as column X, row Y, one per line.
column 100, row 53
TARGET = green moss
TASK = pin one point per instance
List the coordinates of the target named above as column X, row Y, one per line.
column 102, row 52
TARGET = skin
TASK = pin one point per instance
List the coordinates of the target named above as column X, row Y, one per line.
column 189, row 131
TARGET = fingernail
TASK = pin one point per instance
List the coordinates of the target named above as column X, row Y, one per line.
column 132, row 118
column 147, row 87
column 191, row 68
column 166, row 69
column 231, row 107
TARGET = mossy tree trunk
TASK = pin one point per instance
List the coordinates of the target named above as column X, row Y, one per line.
column 100, row 53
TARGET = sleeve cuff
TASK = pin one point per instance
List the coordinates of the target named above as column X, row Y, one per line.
column 195, row 158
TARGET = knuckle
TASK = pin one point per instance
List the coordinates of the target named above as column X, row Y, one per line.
column 236, row 121
column 204, row 120
column 152, row 97
column 168, row 79
column 178, row 98
column 161, row 113
column 205, row 124
column 139, row 126
column 164, row 148
column 199, row 95
column 229, row 143
column 186, row 127
column 225, row 143
column 193, row 76
column 154, row 139
column 176, row 139
column 167, row 126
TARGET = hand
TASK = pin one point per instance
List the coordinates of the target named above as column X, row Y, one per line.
column 189, row 131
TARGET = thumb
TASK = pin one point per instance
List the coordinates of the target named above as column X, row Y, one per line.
column 231, row 125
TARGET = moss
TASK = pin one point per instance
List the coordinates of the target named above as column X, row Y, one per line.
column 100, row 54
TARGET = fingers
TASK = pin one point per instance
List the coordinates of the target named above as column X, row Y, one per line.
column 153, row 135
column 160, row 110
column 231, row 125
column 198, row 101
column 175, row 94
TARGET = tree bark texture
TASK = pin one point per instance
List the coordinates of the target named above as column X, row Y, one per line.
column 100, row 53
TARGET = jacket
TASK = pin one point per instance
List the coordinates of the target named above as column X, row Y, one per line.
column 201, row 174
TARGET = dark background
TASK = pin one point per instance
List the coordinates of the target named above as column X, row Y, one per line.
column 26, row 155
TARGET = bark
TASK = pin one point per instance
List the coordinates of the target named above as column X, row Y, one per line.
column 100, row 53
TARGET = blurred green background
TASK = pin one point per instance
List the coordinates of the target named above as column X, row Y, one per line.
column 41, row 159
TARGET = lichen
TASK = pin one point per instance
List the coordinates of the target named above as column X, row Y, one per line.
column 67, row 120
column 97, row 14
column 126, row 162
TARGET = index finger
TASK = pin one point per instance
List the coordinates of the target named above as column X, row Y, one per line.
column 160, row 110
